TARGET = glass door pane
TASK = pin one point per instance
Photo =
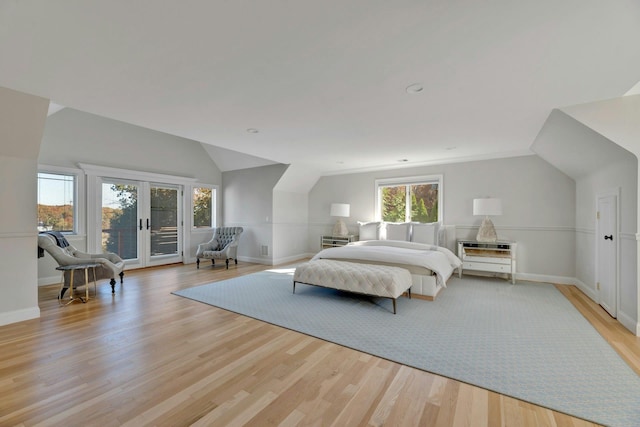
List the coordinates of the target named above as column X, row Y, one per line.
column 164, row 220
column 120, row 219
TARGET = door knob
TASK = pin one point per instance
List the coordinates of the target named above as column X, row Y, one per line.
column 609, row 237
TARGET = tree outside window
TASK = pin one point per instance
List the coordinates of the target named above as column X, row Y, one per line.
column 204, row 199
column 56, row 202
column 409, row 201
column 119, row 219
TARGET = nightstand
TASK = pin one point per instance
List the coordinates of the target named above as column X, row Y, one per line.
column 496, row 257
column 335, row 241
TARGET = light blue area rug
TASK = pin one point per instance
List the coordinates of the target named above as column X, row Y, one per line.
column 524, row 340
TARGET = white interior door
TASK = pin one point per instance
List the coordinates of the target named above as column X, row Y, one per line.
column 607, row 252
column 142, row 222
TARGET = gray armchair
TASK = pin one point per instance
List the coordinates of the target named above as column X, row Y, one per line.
column 56, row 245
column 223, row 245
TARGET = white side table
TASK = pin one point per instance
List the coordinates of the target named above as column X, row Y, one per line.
column 496, row 257
column 335, row 241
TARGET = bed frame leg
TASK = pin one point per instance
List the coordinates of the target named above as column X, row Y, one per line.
column 294, row 287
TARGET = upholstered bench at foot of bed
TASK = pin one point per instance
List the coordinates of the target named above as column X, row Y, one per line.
column 369, row 279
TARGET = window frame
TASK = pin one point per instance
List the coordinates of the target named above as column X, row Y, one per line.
column 411, row 180
column 78, row 194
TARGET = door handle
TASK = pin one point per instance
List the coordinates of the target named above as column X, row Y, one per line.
column 140, row 223
column 148, row 225
column 609, row 237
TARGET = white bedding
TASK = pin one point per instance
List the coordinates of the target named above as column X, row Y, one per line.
column 439, row 260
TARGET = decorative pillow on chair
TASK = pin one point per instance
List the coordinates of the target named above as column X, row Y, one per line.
column 369, row 230
column 398, row 231
column 426, row 233
column 215, row 245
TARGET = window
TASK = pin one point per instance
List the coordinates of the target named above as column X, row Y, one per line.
column 415, row 199
column 57, row 202
column 204, row 207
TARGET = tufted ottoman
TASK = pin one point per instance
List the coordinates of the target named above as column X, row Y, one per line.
column 369, row 279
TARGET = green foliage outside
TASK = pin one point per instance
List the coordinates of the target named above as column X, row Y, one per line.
column 122, row 234
column 394, row 202
column 423, row 203
column 202, row 207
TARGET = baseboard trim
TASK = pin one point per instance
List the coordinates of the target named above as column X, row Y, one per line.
column 50, row 280
column 276, row 261
column 560, row 280
column 292, row 258
column 591, row 293
column 265, row 261
column 629, row 323
column 19, row 315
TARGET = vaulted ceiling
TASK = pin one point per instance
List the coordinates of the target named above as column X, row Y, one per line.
column 329, row 86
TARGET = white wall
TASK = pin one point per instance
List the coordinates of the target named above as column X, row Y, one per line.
column 247, row 199
column 22, row 119
column 72, row 137
column 538, row 207
column 290, row 227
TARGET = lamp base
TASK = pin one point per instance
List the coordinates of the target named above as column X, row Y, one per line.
column 340, row 229
column 487, row 232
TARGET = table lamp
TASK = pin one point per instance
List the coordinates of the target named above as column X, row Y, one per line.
column 340, row 210
column 486, row 207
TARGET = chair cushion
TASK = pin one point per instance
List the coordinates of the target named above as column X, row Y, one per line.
column 213, row 254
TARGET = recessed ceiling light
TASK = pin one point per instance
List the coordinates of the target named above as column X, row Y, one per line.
column 252, row 130
column 415, row 88
column 403, row 160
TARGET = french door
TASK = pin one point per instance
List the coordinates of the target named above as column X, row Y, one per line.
column 142, row 221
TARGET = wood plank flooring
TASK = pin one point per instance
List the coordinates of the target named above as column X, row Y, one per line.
column 146, row 357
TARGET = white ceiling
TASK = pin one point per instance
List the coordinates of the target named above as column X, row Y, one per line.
column 323, row 81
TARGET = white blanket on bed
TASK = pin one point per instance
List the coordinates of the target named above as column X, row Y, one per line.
column 436, row 258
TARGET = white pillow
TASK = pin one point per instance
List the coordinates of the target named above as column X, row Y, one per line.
column 425, row 233
column 369, row 230
column 398, row 231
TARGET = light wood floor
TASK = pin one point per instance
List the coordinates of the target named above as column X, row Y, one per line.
column 146, row 357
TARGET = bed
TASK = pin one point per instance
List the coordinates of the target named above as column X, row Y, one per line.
column 414, row 247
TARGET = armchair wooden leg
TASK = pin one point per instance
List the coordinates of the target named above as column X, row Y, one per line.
column 122, row 277
column 112, row 282
column 197, row 262
column 227, row 263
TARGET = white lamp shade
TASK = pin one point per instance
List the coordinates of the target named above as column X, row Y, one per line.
column 487, row 207
column 340, row 209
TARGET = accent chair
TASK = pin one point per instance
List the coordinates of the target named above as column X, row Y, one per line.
column 56, row 245
column 223, row 246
